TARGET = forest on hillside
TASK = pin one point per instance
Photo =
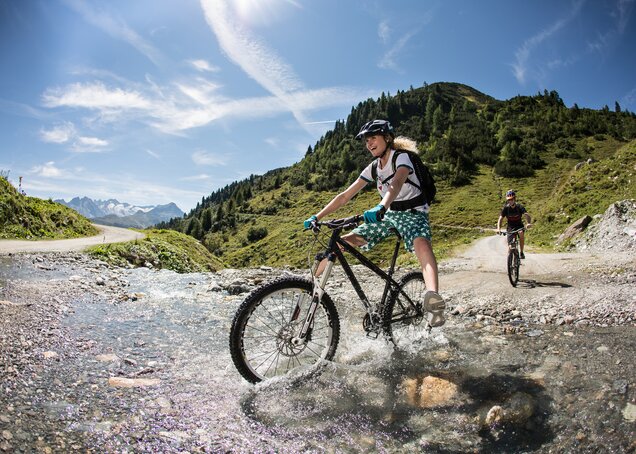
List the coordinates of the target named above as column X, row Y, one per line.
column 457, row 129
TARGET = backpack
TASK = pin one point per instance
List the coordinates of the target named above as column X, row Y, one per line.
column 423, row 173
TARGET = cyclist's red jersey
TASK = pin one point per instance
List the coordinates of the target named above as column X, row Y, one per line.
column 513, row 214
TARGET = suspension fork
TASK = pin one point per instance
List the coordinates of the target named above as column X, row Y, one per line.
column 319, row 284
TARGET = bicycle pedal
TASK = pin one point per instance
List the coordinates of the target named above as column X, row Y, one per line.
column 373, row 334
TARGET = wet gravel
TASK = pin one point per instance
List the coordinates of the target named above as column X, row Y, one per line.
column 86, row 367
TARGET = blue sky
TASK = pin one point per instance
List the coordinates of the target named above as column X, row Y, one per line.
column 157, row 101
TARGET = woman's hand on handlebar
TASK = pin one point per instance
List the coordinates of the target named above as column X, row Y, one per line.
column 309, row 223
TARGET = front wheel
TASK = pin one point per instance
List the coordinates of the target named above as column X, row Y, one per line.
column 264, row 338
column 403, row 320
column 513, row 267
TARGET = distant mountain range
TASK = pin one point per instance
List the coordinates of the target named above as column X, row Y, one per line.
column 113, row 212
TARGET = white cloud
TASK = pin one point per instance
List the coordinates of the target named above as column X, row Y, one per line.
column 153, row 154
column 94, row 96
column 203, row 158
column 257, row 60
column 88, row 145
column 384, row 32
column 48, row 170
column 200, row 177
column 91, row 142
column 624, row 10
column 58, row 134
column 205, row 66
column 388, row 60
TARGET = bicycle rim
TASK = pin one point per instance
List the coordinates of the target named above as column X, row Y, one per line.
column 403, row 323
column 267, row 323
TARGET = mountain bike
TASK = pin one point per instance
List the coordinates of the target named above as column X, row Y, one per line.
column 292, row 322
column 513, row 260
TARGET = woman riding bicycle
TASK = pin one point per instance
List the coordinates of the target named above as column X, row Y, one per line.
column 514, row 213
column 412, row 224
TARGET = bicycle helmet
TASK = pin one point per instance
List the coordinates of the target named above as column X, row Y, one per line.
column 375, row 127
column 511, row 194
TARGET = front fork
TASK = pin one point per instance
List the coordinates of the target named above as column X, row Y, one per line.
column 320, row 278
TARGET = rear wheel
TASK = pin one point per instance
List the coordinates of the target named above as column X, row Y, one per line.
column 513, row 267
column 263, row 337
column 404, row 322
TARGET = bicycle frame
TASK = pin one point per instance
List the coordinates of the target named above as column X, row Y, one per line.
column 333, row 252
column 515, row 237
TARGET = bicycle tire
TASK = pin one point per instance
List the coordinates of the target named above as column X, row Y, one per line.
column 264, row 324
column 513, row 267
column 403, row 324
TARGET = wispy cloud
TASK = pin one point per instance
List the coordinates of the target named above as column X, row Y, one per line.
column 61, row 133
column 621, row 14
column 204, row 65
column 389, row 59
column 200, row 177
column 523, row 54
column 204, row 158
column 259, row 62
column 153, row 154
column 629, row 99
column 115, row 27
column 94, row 96
column 186, row 104
column 89, row 145
column 47, row 170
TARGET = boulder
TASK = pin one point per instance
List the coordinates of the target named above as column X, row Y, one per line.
column 574, row 229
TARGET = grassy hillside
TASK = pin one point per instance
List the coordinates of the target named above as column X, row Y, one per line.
column 32, row 218
column 555, row 196
column 163, row 249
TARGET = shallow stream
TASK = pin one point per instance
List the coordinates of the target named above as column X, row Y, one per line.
column 469, row 388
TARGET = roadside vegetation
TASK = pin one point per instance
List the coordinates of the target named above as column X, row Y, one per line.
column 162, row 249
column 31, row 218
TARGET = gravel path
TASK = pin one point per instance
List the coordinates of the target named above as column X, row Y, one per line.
column 108, row 234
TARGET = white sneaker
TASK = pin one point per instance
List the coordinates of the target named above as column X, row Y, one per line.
column 435, row 305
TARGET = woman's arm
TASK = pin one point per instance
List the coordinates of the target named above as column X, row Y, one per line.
column 399, row 178
column 341, row 199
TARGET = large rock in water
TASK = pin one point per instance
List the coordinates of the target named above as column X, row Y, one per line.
column 615, row 230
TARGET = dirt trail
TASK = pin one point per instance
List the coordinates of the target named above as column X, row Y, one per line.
column 108, row 234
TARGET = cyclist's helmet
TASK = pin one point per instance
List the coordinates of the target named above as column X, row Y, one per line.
column 511, row 194
column 376, row 127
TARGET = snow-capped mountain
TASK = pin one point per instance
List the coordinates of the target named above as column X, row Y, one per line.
column 113, row 212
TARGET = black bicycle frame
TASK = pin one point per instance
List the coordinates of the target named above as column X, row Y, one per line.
column 335, row 252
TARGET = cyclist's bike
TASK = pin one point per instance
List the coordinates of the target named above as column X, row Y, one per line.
column 292, row 322
column 514, row 260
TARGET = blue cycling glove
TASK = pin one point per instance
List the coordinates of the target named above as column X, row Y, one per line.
column 309, row 221
column 375, row 214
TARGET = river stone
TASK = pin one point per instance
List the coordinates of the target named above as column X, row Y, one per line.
column 429, row 392
column 107, row 358
column 629, row 412
column 123, row 382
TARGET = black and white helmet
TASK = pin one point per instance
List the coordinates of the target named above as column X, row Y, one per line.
column 376, row 127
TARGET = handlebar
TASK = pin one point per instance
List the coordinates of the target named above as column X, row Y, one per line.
column 512, row 232
column 333, row 224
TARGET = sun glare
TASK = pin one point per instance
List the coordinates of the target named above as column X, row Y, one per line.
column 261, row 12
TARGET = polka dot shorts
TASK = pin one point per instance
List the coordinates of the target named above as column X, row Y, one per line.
column 410, row 224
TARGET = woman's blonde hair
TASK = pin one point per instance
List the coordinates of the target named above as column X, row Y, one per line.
column 403, row 143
